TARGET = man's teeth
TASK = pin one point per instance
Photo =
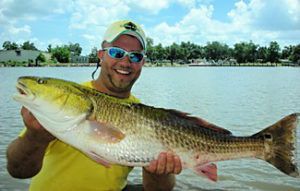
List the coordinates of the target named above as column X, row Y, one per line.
column 123, row 72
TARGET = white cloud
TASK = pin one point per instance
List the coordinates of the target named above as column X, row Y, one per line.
column 12, row 33
column 89, row 37
column 188, row 3
column 93, row 13
column 55, row 42
column 149, row 5
column 17, row 15
column 197, row 26
column 259, row 20
column 19, row 30
column 240, row 15
column 32, row 9
column 91, row 41
column 92, row 18
column 267, row 14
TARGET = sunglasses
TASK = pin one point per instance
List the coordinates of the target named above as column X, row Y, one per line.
column 119, row 53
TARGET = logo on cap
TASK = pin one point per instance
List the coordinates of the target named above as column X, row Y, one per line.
column 130, row 26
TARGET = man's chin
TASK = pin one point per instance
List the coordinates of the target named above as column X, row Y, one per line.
column 122, row 87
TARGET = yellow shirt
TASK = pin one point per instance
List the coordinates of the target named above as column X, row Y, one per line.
column 65, row 168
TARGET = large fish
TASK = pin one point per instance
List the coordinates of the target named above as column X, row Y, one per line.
column 125, row 133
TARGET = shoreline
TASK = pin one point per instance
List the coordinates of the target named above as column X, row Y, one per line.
column 159, row 65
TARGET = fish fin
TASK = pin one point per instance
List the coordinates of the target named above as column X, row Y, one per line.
column 98, row 159
column 200, row 122
column 208, row 170
column 280, row 144
column 196, row 120
column 105, row 132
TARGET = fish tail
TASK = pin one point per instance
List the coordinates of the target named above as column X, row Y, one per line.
column 280, row 144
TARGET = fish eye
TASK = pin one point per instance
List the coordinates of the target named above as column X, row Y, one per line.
column 40, row 81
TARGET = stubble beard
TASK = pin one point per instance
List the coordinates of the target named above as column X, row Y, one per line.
column 121, row 86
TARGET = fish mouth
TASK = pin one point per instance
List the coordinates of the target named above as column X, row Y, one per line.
column 22, row 89
column 23, row 92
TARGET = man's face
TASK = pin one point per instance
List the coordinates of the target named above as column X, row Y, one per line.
column 119, row 75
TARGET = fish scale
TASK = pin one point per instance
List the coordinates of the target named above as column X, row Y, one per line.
column 134, row 134
column 179, row 134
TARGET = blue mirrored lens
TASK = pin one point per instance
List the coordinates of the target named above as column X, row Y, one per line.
column 119, row 53
column 116, row 53
column 136, row 57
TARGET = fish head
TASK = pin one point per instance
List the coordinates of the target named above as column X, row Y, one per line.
column 55, row 103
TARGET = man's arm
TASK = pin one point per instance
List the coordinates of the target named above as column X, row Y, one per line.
column 160, row 174
column 25, row 154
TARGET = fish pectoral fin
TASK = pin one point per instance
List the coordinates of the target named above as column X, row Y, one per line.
column 97, row 158
column 208, row 170
column 105, row 132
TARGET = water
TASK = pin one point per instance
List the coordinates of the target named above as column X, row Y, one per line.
column 243, row 100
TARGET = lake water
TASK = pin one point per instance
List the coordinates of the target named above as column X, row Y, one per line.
column 243, row 100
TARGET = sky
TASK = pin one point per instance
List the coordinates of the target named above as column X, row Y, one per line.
column 59, row 22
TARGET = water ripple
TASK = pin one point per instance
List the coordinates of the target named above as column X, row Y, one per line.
column 244, row 100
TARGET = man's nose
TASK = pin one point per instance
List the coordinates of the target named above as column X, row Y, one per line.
column 125, row 61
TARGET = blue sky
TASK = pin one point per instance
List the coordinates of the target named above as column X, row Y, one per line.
column 60, row 22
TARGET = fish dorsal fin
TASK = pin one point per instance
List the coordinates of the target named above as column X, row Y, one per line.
column 199, row 121
column 196, row 120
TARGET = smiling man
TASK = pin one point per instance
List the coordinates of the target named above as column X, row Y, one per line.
column 54, row 165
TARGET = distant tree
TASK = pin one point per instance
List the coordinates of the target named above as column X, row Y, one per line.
column 173, row 52
column 149, row 42
column 287, row 52
column 196, row 51
column 75, row 49
column 251, row 51
column 14, row 46
column 41, row 57
column 245, row 52
column 295, row 56
column 161, row 52
column 49, row 48
column 273, row 52
column 151, row 50
column 231, row 52
column 93, row 56
column 185, row 51
column 7, row 45
column 61, row 54
column 262, row 54
column 28, row 46
column 240, row 52
column 216, row 51
column 190, row 51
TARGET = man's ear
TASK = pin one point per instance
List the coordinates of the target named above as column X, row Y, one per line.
column 101, row 54
column 143, row 61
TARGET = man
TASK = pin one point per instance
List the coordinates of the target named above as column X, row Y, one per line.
column 55, row 165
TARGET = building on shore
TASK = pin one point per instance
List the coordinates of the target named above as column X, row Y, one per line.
column 79, row 59
column 19, row 55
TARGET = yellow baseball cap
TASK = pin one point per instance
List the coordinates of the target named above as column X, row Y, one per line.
column 125, row 27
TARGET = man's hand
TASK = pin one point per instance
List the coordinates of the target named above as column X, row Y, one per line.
column 167, row 163
column 25, row 154
column 159, row 175
column 34, row 129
